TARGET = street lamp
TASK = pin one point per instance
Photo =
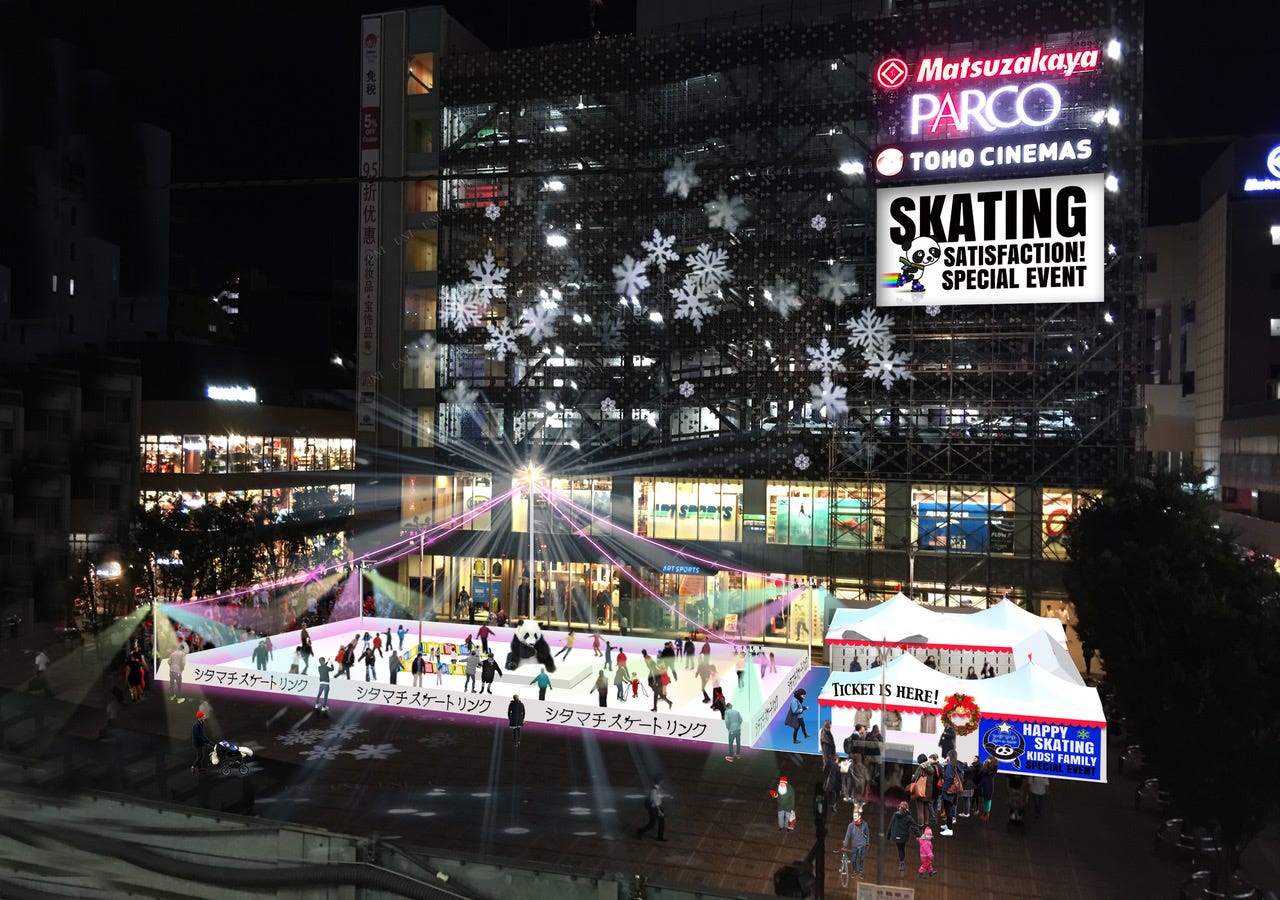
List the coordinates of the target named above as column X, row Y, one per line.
column 530, row 474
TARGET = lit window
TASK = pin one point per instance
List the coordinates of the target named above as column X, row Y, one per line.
column 71, row 286
column 1275, row 235
column 1275, row 327
column 54, row 285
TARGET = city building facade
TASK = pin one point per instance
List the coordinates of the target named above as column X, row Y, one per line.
column 676, row 291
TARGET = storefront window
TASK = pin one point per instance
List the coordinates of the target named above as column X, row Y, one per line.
column 590, row 496
column 817, row 514
column 1057, row 505
column 963, row 520
column 688, row 510
column 420, row 310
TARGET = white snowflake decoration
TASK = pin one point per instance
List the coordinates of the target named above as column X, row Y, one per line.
column 608, row 406
column 461, row 395
column 629, row 278
column 303, row 736
column 887, row 366
column 462, row 307
column 680, row 178
column 802, row 462
column 502, row 340
column 374, row 751
column 817, row 223
column 824, row 358
column 870, row 331
column 692, row 304
column 537, row 322
column 708, row 269
column 342, row 732
column 783, row 298
column 492, row 211
column 658, row 250
column 726, row 212
column 321, row 753
column 608, row 331
column 932, row 310
column 829, row 398
column 686, row 389
column 438, row 740
column 837, row 284
column 487, row 276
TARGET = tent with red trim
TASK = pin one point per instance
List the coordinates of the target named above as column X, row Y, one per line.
column 1032, row 693
column 912, row 687
column 1046, row 652
column 1009, row 617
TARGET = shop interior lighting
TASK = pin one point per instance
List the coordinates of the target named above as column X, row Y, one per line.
column 1111, row 183
column 1114, row 49
column 556, row 240
column 850, row 167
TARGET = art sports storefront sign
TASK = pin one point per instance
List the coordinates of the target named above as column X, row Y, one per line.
column 1054, row 750
column 981, row 113
column 1035, row 240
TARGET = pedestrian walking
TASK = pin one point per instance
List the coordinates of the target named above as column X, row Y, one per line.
column 488, row 672
column 199, row 740
column 568, row 645
column 543, row 681
column 827, row 744
column 856, row 839
column 394, row 664
column 795, row 715
column 922, row 789
column 260, row 656
column 952, row 788
column 602, row 688
column 657, row 815
column 901, row 829
column 986, row 782
column 400, row 633
column 1038, row 786
column 926, row 853
column 515, row 717
column 659, row 686
column 177, row 662
column 733, row 723
column 322, row 695
column 417, row 668
column 472, row 666
column 947, row 742
column 786, row 805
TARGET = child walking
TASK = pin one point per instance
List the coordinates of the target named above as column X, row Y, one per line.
column 926, row 853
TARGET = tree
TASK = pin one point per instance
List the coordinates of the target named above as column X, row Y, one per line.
column 1187, row 624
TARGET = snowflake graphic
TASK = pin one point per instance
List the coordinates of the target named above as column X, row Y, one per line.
column 608, row 406
column 438, row 740
column 462, row 307
column 608, row 331
column 342, row 732
column 837, row 284
column 629, row 278
column 726, row 212
column 692, row 304
column 817, row 223
column 824, row 358
column 680, row 178
column 537, row 322
column 888, row 366
column 374, row 751
column 932, row 310
column 686, row 389
column 783, row 298
column 870, row 331
column 492, row 211
column 802, row 462
column 708, row 269
column 658, row 250
column 502, row 339
column 303, row 736
column 462, row 395
column 487, row 276
column 328, row 752
column 829, row 398
column 858, row 449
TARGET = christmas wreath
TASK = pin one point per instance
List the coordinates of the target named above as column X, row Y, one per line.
column 961, row 713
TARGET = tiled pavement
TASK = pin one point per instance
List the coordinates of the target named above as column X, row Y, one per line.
column 573, row 801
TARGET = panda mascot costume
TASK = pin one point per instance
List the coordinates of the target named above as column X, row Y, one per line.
column 529, row 643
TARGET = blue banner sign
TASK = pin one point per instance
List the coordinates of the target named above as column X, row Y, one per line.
column 1054, row 750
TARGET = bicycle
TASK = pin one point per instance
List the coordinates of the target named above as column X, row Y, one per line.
column 846, row 865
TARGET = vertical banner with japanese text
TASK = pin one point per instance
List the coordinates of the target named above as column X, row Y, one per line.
column 370, row 195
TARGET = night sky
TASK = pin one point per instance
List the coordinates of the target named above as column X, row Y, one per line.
column 268, row 91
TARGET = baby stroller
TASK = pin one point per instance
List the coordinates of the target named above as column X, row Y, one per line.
column 229, row 756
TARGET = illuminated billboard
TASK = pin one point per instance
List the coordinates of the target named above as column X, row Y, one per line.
column 1033, row 240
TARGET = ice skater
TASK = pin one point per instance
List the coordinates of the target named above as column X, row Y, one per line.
column 322, row 695
column 568, row 645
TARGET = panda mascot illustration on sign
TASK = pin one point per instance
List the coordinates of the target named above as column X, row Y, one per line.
column 921, row 252
column 529, row 643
